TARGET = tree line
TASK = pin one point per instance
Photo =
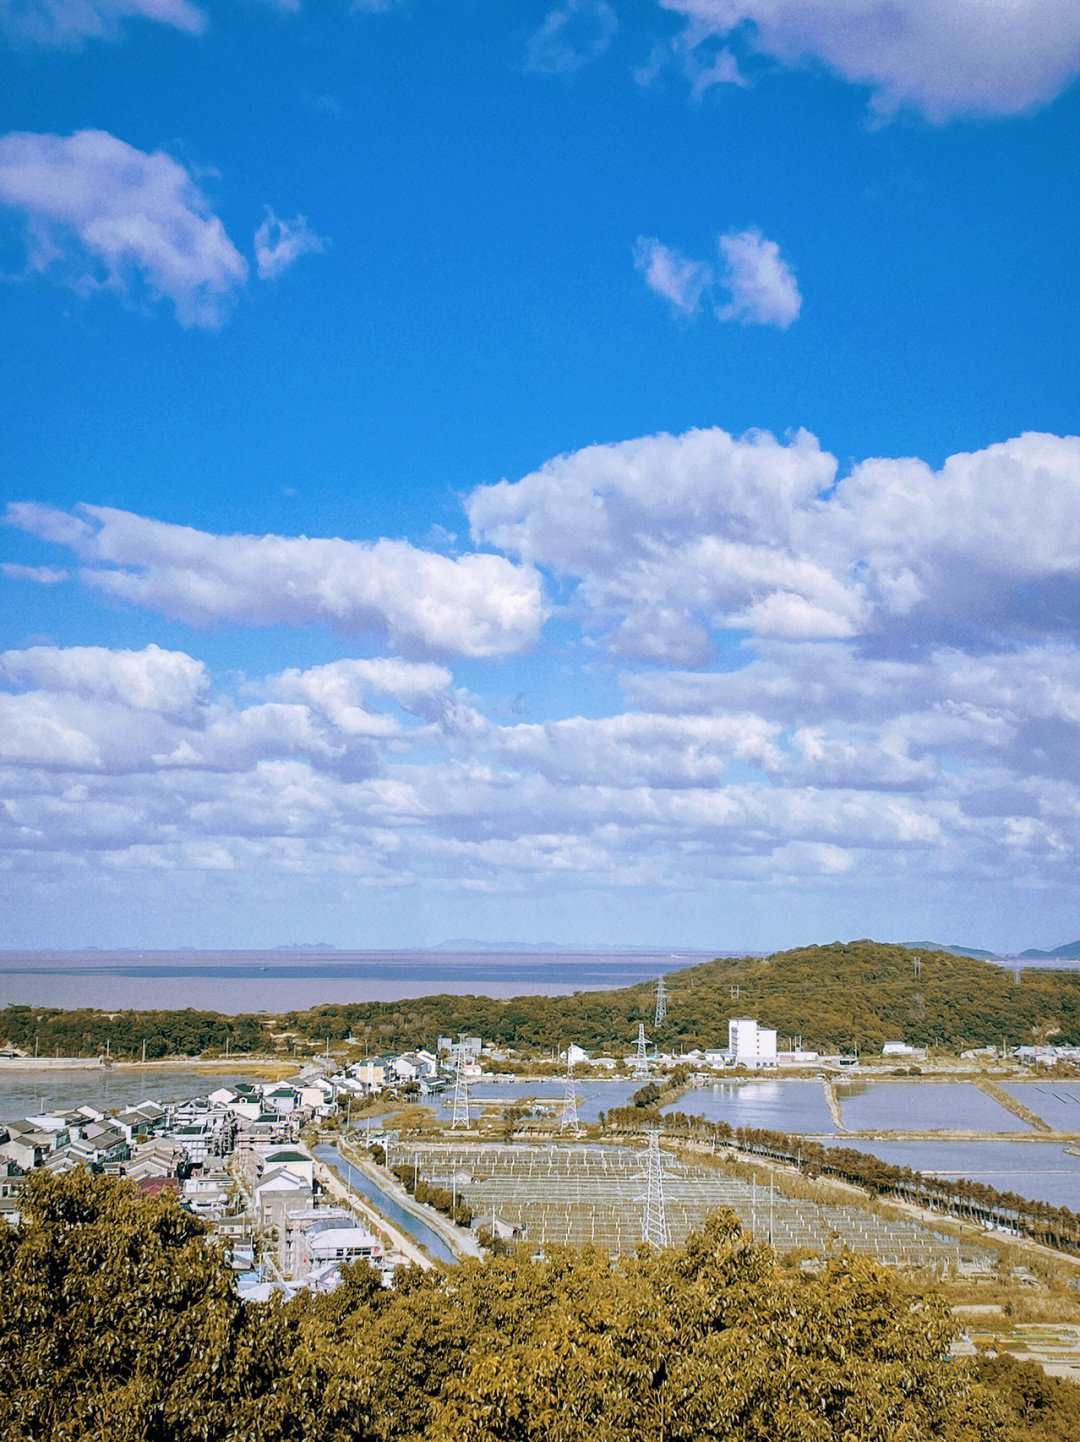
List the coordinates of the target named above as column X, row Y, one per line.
column 848, row 996
column 441, row 1198
column 52, row 1031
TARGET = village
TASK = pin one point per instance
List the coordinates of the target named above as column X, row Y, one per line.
column 295, row 1178
column 244, row 1156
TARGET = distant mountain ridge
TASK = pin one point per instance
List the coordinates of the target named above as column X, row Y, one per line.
column 954, row 950
column 1070, row 951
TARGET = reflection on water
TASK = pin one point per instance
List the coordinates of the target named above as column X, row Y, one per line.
column 779, row 1106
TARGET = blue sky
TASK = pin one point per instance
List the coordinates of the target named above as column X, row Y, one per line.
column 599, row 472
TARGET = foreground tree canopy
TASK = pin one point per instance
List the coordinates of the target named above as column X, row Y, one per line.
column 118, row 1320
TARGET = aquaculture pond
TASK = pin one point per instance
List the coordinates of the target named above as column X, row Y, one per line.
column 795, row 1106
column 593, row 1097
column 923, row 1106
column 1058, row 1103
column 1043, row 1171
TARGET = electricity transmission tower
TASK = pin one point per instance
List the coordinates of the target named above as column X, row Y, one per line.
column 569, row 1119
column 641, row 1060
column 461, row 1090
column 661, row 1001
column 654, row 1229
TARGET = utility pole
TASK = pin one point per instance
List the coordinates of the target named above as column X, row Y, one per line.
column 461, row 1090
column 569, row 1119
column 641, row 1060
column 654, row 1226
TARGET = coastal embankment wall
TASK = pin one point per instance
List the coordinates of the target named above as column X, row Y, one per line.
column 50, row 1063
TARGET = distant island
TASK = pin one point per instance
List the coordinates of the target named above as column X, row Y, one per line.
column 841, row 997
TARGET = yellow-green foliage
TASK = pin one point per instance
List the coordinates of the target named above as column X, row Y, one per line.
column 858, row 993
column 118, row 1322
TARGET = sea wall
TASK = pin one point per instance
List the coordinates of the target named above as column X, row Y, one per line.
column 49, row 1063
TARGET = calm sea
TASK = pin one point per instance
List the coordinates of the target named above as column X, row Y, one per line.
column 253, row 981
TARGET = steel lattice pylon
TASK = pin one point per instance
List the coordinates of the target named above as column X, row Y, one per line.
column 569, row 1119
column 661, row 1001
column 641, row 1060
column 654, row 1229
column 461, row 1091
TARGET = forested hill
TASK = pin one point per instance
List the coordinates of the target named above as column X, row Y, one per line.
column 861, row 993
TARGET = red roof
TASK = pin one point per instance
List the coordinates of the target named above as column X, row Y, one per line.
column 150, row 1186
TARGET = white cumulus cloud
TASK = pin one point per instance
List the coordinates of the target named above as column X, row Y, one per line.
column 473, row 605
column 978, row 57
column 670, row 539
column 100, row 214
column 147, row 680
column 672, row 536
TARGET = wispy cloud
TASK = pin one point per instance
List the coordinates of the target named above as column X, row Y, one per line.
column 671, row 275
column 571, row 36
column 70, row 22
column 762, row 285
column 280, row 243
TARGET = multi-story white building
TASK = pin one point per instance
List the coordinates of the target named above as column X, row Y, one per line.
column 749, row 1044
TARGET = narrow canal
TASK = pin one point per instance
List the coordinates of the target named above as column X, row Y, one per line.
column 393, row 1211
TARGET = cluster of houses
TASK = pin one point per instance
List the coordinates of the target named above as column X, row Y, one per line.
column 233, row 1158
